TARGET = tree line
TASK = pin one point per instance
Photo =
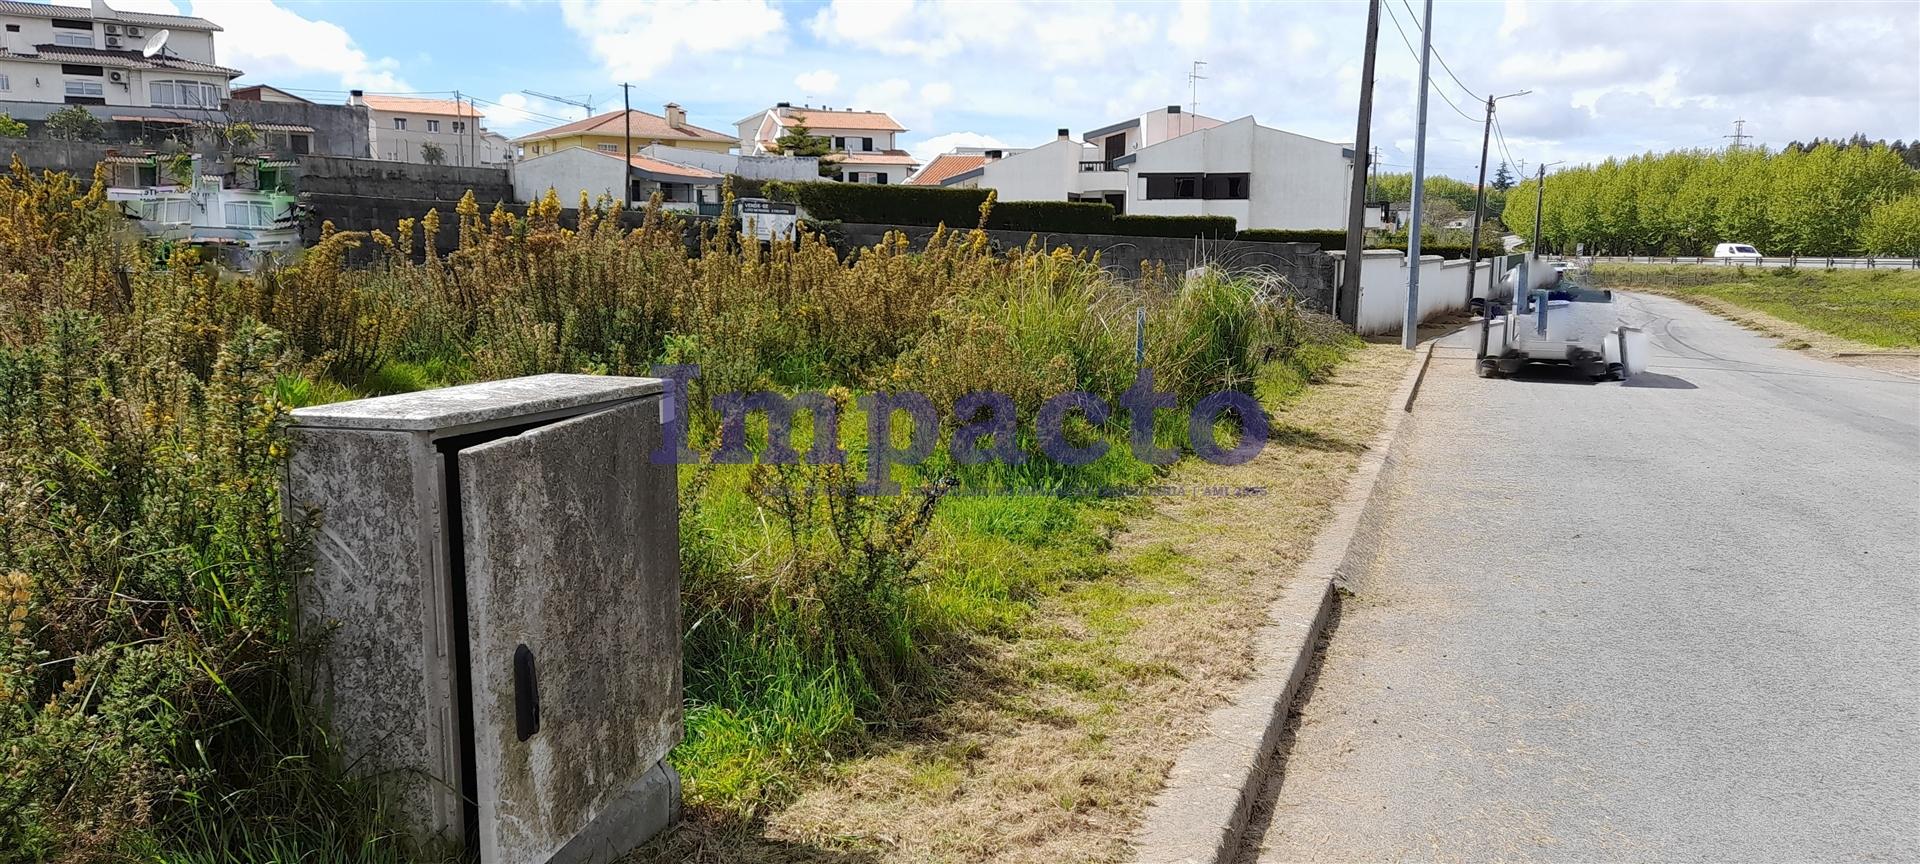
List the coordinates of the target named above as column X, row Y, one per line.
column 1817, row 199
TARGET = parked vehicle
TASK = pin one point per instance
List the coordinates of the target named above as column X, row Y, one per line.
column 1736, row 253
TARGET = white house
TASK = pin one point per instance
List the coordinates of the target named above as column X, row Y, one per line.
column 862, row 141
column 750, row 167
column 570, row 171
column 96, row 55
column 1174, row 163
column 401, row 127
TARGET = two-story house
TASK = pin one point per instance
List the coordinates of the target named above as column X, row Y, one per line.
column 96, row 55
column 400, row 127
column 862, row 142
column 1174, row 163
column 611, row 132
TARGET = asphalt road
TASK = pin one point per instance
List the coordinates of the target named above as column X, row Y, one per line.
column 1672, row 620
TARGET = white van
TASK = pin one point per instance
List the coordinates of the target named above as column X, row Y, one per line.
column 1736, row 253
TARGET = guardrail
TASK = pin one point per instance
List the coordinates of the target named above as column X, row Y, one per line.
column 1794, row 261
column 1091, row 166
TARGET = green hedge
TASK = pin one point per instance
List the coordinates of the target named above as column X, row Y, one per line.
column 1217, row 227
column 960, row 208
column 1336, row 241
column 1331, row 240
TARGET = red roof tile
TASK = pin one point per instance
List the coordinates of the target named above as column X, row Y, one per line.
column 943, row 166
column 644, row 126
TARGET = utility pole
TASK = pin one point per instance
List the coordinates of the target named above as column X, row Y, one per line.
column 1480, row 201
column 1410, row 327
column 1539, row 203
column 626, row 116
column 1347, row 302
column 1739, row 135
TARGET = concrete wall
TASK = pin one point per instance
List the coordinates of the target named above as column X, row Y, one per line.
column 338, row 130
column 1383, row 288
column 804, row 168
column 46, row 155
column 399, row 180
column 1303, row 264
column 569, row 172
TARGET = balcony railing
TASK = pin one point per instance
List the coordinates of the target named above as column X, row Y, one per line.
column 1091, row 166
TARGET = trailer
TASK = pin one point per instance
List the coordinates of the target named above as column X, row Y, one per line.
column 1559, row 322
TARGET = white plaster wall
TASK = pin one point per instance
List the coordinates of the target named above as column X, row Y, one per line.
column 752, row 167
column 1044, row 173
column 1297, row 182
column 568, row 172
column 1157, row 126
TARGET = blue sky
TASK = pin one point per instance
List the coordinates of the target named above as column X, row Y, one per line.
column 1607, row 78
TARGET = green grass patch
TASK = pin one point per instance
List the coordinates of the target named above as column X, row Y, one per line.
column 1877, row 307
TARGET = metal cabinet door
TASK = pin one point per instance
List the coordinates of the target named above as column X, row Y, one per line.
column 572, row 562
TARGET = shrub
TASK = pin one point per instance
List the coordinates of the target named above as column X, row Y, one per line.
column 11, row 128
column 1210, row 227
column 1330, row 240
column 74, row 123
column 1066, row 217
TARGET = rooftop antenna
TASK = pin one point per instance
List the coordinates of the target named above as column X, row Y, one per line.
column 1739, row 135
column 1193, row 91
column 564, row 100
column 155, row 43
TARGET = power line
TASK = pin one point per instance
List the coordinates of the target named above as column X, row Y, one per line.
column 1416, row 57
column 1443, row 61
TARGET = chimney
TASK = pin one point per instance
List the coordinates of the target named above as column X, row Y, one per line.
column 1061, row 134
column 1173, row 109
column 357, row 97
column 783, row 109
column 676, row 115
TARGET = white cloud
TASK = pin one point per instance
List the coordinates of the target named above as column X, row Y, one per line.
column 938, row 144
column 936, row 94
column 269, row 42
column 637, row 40
column 818, row 83
column 517, row 114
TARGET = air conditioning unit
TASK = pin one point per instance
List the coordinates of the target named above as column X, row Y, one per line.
column 133, row 31
column 117, row 77
column 113, row 41
column 113, row 28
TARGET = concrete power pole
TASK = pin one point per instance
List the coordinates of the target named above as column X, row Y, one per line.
column 626, row 116
column 1539, row 202
column 1347, row 302
column 1480, row 200
column 1410, row 327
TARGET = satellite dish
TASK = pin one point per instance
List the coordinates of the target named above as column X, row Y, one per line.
column 155, row 43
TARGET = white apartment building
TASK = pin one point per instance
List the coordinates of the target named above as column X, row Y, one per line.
column 1174, row 163
column 96, row 55
column 863, row 141
column 401, row 126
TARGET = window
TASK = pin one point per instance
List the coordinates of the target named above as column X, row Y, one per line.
column 608, row 148
column 459, row 126
column 85, row 88
column 1224, row 186
column 183, row 94
column 433, row 125
column 74, row 40
column 866, row 143
column 880, row 177
column 839, row 143
column 4, row 84
column 400, row 124
column 249, row 214
column 300, row 143
column 1208, row 186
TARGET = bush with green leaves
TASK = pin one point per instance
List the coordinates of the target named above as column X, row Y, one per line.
column 11, row 128
column 74, row 123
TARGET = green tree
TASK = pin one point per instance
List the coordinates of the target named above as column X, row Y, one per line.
column 432, row 154
column 1502, row 178
column 799, row 140
column 1893, row 228
column 74, row 123
column 11, row 128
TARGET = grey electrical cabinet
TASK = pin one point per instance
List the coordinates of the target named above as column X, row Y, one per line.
column 495, row 599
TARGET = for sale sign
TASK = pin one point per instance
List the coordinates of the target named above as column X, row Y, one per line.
column 767, row 220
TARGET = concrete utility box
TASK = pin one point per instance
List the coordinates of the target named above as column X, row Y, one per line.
column 497, row 587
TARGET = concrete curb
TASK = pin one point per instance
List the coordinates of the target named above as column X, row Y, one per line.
column 1202, row 810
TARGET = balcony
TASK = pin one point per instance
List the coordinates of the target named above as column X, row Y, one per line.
column 1087, row 167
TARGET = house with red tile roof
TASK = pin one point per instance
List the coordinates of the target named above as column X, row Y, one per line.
column 613, row 131
column 402, row 127
column 862, row 142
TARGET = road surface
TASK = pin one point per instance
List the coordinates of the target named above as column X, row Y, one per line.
column 1671, row 620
